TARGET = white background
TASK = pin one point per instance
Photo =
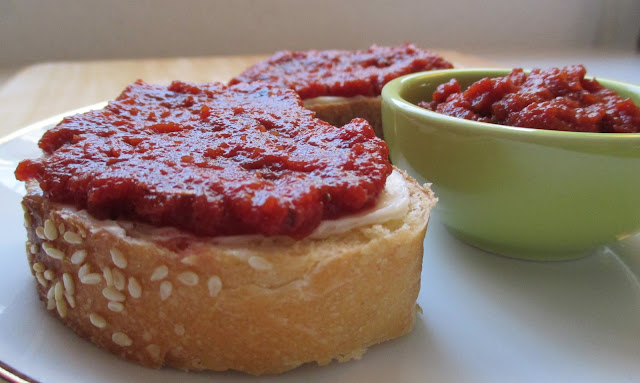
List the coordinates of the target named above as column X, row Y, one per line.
column 44, row 30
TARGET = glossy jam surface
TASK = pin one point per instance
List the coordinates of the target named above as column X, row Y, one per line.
column 552, row 99
column 342, row 73
column 211, row 159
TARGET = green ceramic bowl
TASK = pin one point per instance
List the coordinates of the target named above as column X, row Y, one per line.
column 524, row 193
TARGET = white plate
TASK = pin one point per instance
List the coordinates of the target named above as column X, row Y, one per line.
column 486, row 318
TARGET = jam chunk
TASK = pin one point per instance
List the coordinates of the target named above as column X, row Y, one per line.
column 211, row 159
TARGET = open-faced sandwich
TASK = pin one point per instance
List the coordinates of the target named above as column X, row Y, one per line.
column 341, row 85
column 223, row 227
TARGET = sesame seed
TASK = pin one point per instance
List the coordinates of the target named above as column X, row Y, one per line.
column 119, row 281
column 159, row 273
column 27, row 217
column 97, row 320
column 78, row 257
column 188, row 278
column 108, row 276
column 73, row 238
column 165, row 290
column 259, row 263
column 146, row 336
column 61, row 305
column 118, row 258
column 71, row 300
column 69, row 286
column 135, row 290
column 33, row 249
column 50, row 230
column 40, row 232
column 41, row 280
column 51, row 292
column 115, row 306
column 84, row 270
column 51, row 304
column 59, row 291
column 214, row 284
column 121, row 339
column 91, row 279
column 38, row 267
column 179, row 329
column 52, row 251
column 112, row 294
column 61, row 228
column 153, row 350
column 49, row 275
column 189, row 260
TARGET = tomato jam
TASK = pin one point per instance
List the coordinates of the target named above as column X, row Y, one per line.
column 211, row 159
column 553, row 99
column 342, row 73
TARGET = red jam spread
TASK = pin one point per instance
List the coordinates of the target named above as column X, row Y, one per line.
column 342, row 73
column 211, row 159
column 553, row 99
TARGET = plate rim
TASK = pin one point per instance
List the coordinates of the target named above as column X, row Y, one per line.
column 13, row 375
column 7, row 372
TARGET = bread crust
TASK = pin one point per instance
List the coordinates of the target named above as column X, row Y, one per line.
column 164, row 297
column 340, row 112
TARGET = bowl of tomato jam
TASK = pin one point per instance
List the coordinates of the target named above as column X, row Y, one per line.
column 540, row 164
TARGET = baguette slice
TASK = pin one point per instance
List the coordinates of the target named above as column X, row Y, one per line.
column 164, row 297
column 340, row 85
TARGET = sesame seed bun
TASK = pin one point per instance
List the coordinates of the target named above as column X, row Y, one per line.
column 164, row 297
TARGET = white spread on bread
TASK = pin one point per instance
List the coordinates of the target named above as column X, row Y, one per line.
column 393, row 203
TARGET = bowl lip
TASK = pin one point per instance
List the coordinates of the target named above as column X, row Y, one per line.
column 391, row 93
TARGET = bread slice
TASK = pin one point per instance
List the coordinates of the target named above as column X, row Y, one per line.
column 340, row 85
column 165, row 297
column 338, row 111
